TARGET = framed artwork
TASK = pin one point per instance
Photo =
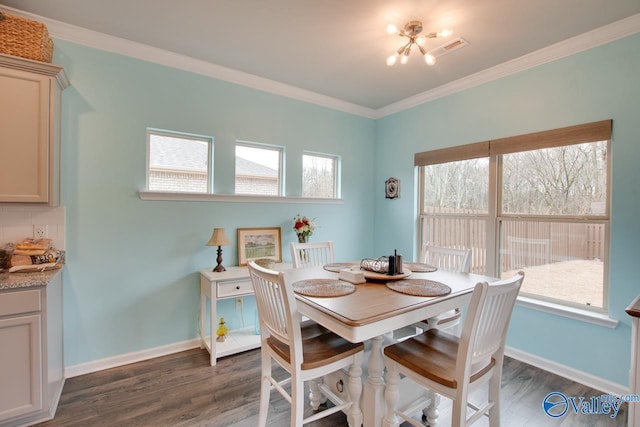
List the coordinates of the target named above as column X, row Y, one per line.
column 392, row 188
column 256, row 243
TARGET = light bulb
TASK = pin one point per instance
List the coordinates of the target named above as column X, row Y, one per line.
column 445, row 33
column 429, row 59
column 392, row 29
column 392, row 60
column 404, row 59
column 420, row 41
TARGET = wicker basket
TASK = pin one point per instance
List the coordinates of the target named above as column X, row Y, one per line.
column 25, row 38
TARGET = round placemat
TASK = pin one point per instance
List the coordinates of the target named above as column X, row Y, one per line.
column 419, row 267
column 337, row 266
column 323, row 288
column 419, row 287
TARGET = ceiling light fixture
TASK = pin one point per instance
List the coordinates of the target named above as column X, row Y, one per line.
column 412, row 31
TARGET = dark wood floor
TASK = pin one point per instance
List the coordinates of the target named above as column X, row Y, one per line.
column 183, row 390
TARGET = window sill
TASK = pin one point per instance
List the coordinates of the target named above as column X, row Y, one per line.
column 240, row 198
column 575, row 313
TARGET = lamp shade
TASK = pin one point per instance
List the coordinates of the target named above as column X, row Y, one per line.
column 218, row 238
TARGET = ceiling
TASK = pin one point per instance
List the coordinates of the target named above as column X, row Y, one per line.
column 338, row 48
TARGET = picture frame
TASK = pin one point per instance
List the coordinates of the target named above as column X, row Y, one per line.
column 254, row 243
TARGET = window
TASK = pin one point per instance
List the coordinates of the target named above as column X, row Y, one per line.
column 537, row 203
column 178, row 162
column 258, row 169
column 319, row 176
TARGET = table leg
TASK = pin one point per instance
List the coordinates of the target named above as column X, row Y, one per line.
column 212, row 330
column 373, row 403
column 203, row 313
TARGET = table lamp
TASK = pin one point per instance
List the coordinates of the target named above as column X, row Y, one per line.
column 218, row 238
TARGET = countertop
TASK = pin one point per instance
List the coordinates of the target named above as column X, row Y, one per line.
column 26, row 280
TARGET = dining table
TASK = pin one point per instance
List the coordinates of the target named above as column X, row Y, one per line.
column 373, row 309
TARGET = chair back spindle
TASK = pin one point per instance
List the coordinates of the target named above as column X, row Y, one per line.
column 311, row 254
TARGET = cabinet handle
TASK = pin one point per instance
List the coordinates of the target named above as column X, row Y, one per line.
column 238, row 287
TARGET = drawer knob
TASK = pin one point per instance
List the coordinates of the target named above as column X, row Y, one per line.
column 237, row 287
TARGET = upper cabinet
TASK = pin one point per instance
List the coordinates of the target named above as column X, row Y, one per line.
column 30, row 95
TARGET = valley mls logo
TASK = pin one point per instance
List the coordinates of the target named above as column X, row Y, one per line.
column 556, row 404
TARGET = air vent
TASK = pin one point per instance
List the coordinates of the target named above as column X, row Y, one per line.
column 449, row 47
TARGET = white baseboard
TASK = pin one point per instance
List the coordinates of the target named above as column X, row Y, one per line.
column 125, row 359
column 567, row 372
column 531, row 359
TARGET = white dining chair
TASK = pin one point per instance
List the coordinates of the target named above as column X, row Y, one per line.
column 306, row 351
column 458, row 260
column 311, row 254
column 450, row 259
column 452, row 366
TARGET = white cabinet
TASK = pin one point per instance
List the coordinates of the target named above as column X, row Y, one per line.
column 634, row 380
column 232, row 283
column 29, row 130
column 32, row 366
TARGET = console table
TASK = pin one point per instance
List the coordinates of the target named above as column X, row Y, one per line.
column 232, row 283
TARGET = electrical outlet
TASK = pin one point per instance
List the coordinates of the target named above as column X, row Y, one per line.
column 238, row 303
column 39, row 231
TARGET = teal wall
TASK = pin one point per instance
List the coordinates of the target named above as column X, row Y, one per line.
column 598, row 84
column 131, row 280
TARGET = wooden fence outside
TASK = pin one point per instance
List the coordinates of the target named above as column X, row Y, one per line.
column 522, row 243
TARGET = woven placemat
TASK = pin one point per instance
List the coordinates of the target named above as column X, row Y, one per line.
column 337, row 266
column 419, row 287
column 419, row 267
column 323, row 288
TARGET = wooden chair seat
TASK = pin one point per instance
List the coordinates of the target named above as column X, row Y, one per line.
column 433, row 355
column 320, row 346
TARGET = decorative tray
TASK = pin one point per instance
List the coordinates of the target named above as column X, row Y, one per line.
column 372, row 275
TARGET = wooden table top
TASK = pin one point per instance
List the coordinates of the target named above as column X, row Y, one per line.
column 374, row 309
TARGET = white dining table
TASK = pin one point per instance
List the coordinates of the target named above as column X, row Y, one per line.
column 374, row 310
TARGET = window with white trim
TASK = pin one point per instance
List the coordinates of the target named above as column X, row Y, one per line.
column 258, row 169
column 320, row 174
column 537, row 203
column 178, row 162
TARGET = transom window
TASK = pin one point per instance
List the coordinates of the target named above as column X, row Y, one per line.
column 320, row 175
column 178, row 162
column 258, row 169
column 537, row 203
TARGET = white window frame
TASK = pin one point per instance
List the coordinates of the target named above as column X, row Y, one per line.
column 281, row 163
column 182, row 135
column 495, row 217
column 336, row 172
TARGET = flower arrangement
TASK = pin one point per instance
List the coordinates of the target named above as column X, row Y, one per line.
column 303, row 227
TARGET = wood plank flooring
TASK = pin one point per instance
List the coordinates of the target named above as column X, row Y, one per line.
column 183, row 390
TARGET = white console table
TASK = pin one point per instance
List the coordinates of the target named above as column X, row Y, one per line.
column 233, row 283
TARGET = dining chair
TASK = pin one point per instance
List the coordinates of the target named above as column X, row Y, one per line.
column 311, row 254
column 307, row 351
column 458, row 260
column 446, row 258
column 452, row 366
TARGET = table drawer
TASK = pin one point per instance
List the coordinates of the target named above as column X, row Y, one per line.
column 232, row 288
column 19, row 302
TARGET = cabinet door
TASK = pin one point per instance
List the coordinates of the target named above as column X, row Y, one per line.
column 21, row 366
column 24, row 136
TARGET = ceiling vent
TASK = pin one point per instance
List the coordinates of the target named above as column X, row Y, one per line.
column 449, row 47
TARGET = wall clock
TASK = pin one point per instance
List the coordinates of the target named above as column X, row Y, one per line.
column 392, row 188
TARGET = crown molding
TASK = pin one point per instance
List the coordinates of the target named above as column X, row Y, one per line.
column 74, row 34
column 71, row 33
column 603, row 35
